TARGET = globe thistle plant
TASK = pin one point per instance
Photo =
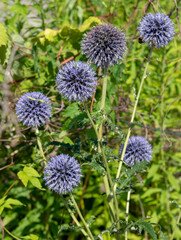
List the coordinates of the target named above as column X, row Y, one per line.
column 138, row 149
column 33, row 109
column 156, row 29
column 62, row 173
column 76, row 81
column 104, row 45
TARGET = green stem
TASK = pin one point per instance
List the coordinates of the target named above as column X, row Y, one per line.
column 40, row 145
column 81, row 217
column 111, row 183
column 132, row 118
column 74, row 218
column 105, row 162
column 178, row 220
column 11, row 234
column 89, row 116
column 108, row 175
column 105, row 178
column 127, row 212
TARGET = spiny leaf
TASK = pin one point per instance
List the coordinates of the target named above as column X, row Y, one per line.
column 147, row 227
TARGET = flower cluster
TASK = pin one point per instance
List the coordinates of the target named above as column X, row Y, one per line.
column 156, row 29
column 76, row 81
column 33, row 109
column 62, row 174
column 138, row 149
column 104, row 45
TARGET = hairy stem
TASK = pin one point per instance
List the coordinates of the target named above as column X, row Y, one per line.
column 74, row 218
column 127, row 212
column 81, row 217
column 107, row 178
column 132, row 118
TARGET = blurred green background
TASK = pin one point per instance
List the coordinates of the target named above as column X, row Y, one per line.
column 36, row 38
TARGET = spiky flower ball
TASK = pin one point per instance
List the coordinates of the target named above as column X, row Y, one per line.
column 62, row 173
column 138, row 149
column 156, row 29
column 33, row 109
column 104, row 45
column 76, row 81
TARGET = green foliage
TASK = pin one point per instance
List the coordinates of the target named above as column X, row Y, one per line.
column 143, row 225
column 30, row 174
column 45, row 36
column 6, row 203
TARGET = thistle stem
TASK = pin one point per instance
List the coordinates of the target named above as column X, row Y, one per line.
column 74, row 218
column 108, row 175
column 40, row 146
column 81, row 217
column 105, row 178
column 132, row 118
column 127, row 212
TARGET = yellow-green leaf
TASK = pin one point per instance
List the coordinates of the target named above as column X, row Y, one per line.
column 31, row 172
column 35, row 182
column 31, row 237
column 23, row 177
column 3, row 35
column 50, row 34
column 88, row 23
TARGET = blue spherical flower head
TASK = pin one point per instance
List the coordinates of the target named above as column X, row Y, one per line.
column 156, row 29
column 62, row 174
column 138, row 149
column 33, row 109
column 76, row 81
column 104, row 45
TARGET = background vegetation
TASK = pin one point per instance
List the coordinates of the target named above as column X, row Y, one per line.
column 36, row 38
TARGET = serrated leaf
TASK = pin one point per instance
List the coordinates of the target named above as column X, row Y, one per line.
column 3, row 35
column 31, row 172
column 23, row 177
column 147, row 227
column 35, row 182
